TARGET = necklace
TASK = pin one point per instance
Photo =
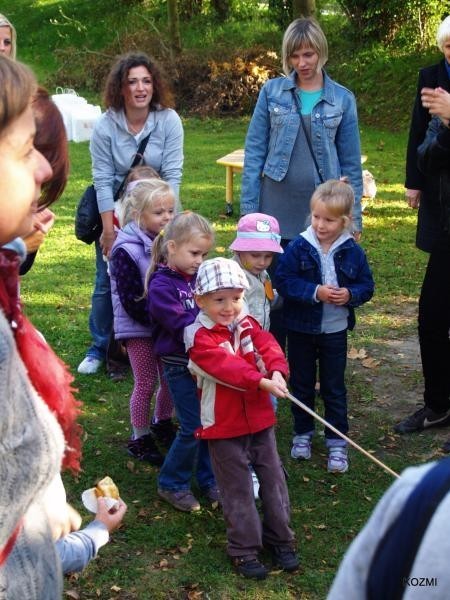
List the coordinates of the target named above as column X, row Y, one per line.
column 135, row 129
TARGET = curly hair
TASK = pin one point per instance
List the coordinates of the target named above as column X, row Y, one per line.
column 117, row 79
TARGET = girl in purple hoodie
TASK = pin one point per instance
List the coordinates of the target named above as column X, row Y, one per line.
column 177, row 254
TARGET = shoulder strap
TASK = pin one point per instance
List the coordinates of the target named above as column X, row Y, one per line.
column 136, row 160
column 305, row 131
column 396, row 552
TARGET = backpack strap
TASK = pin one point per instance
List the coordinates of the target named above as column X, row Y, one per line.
column 395, row 554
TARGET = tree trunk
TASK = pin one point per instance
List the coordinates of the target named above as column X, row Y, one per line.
column 174, row 26
column 221, row 9
column 303, row 8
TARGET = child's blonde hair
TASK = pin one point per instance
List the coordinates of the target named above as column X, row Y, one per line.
column 142, row 196
column 183, row 227
column 338, row 198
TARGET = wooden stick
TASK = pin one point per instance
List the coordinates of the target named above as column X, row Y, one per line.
column 343, row 436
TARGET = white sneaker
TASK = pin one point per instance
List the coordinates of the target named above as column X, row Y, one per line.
column 337, row 459
column 89, row 365
column 301, row 447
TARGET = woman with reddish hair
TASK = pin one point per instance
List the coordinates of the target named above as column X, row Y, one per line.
column 139, row 105
column 51, row 141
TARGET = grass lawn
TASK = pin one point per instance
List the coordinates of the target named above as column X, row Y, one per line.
column 160, row 553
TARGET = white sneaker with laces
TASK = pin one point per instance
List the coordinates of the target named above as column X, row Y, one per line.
column 89, row 365
column 301, row 447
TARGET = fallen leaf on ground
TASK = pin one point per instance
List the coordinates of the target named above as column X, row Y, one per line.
column 73, row 594
column 370, row 363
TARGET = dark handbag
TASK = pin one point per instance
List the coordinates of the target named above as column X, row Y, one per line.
column 88, row 222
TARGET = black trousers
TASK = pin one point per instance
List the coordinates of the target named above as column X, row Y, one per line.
column 434, row 325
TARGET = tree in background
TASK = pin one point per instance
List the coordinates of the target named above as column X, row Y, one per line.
column 406, row 23
column 221, row 9
column 283, row 12
column 303, row 8
column 174, row 27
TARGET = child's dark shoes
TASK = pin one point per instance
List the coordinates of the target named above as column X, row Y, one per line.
column 284, row 557
column 164, row 432
column 249, row 566
column 181, row 500
column 212, row 494
column 144, row 448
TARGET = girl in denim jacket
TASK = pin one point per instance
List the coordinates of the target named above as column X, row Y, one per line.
column 279, row 172
column 323, row 275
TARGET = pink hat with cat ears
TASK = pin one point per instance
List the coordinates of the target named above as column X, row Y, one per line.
column 257, row 232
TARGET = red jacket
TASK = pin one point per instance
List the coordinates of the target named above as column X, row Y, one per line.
column 224, row 365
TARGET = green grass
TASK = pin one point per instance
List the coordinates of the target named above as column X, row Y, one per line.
column 160, row 553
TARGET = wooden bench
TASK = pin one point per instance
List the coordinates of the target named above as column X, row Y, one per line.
column 233, row 163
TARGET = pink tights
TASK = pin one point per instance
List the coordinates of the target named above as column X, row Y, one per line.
column 147, row 371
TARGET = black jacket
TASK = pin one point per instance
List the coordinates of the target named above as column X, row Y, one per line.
column 434, row 162
column 427, row 223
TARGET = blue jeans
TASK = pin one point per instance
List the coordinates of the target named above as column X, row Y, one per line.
column 101, row 316
column 187, row 454
column 330, row 350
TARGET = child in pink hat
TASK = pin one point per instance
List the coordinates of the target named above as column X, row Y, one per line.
column 257, row 239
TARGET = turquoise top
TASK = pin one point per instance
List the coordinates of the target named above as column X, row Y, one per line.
column 308, row 100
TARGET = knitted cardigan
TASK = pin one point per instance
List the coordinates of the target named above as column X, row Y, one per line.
column 31, row 448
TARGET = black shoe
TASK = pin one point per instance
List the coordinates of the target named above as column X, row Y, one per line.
column 144, row 448
column 118, row 372
column 164, row 432
column 284, row 557
column 250, row 567
column 422, row 419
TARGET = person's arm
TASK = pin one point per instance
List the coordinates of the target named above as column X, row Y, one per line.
column 348, row 150
column 129, row 285
column 165, row 308
column 414, row 181
column 288, row 278
column 256, row 148
column 77, row 549
column 172, row 156
column 103, row 172
column 437, row 102
column 361, row 290
column 434, row 153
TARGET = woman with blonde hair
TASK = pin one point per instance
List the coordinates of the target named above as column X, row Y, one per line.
column 7, row 37
column 304, row 130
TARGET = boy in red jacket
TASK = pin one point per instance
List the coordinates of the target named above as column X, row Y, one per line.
column 237, row 365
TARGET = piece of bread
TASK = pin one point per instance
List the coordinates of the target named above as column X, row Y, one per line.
column 106, row 487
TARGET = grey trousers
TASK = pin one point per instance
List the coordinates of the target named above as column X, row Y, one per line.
column 230, row 459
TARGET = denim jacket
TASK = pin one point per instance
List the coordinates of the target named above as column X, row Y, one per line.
column 299, row 272
column 273, row 130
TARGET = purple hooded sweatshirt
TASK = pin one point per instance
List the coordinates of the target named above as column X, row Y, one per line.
column 171, row 307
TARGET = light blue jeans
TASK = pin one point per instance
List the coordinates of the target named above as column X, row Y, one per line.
column 187, row 455
column 101, row 316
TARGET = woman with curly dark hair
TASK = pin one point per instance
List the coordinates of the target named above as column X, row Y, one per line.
column 139, row 104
